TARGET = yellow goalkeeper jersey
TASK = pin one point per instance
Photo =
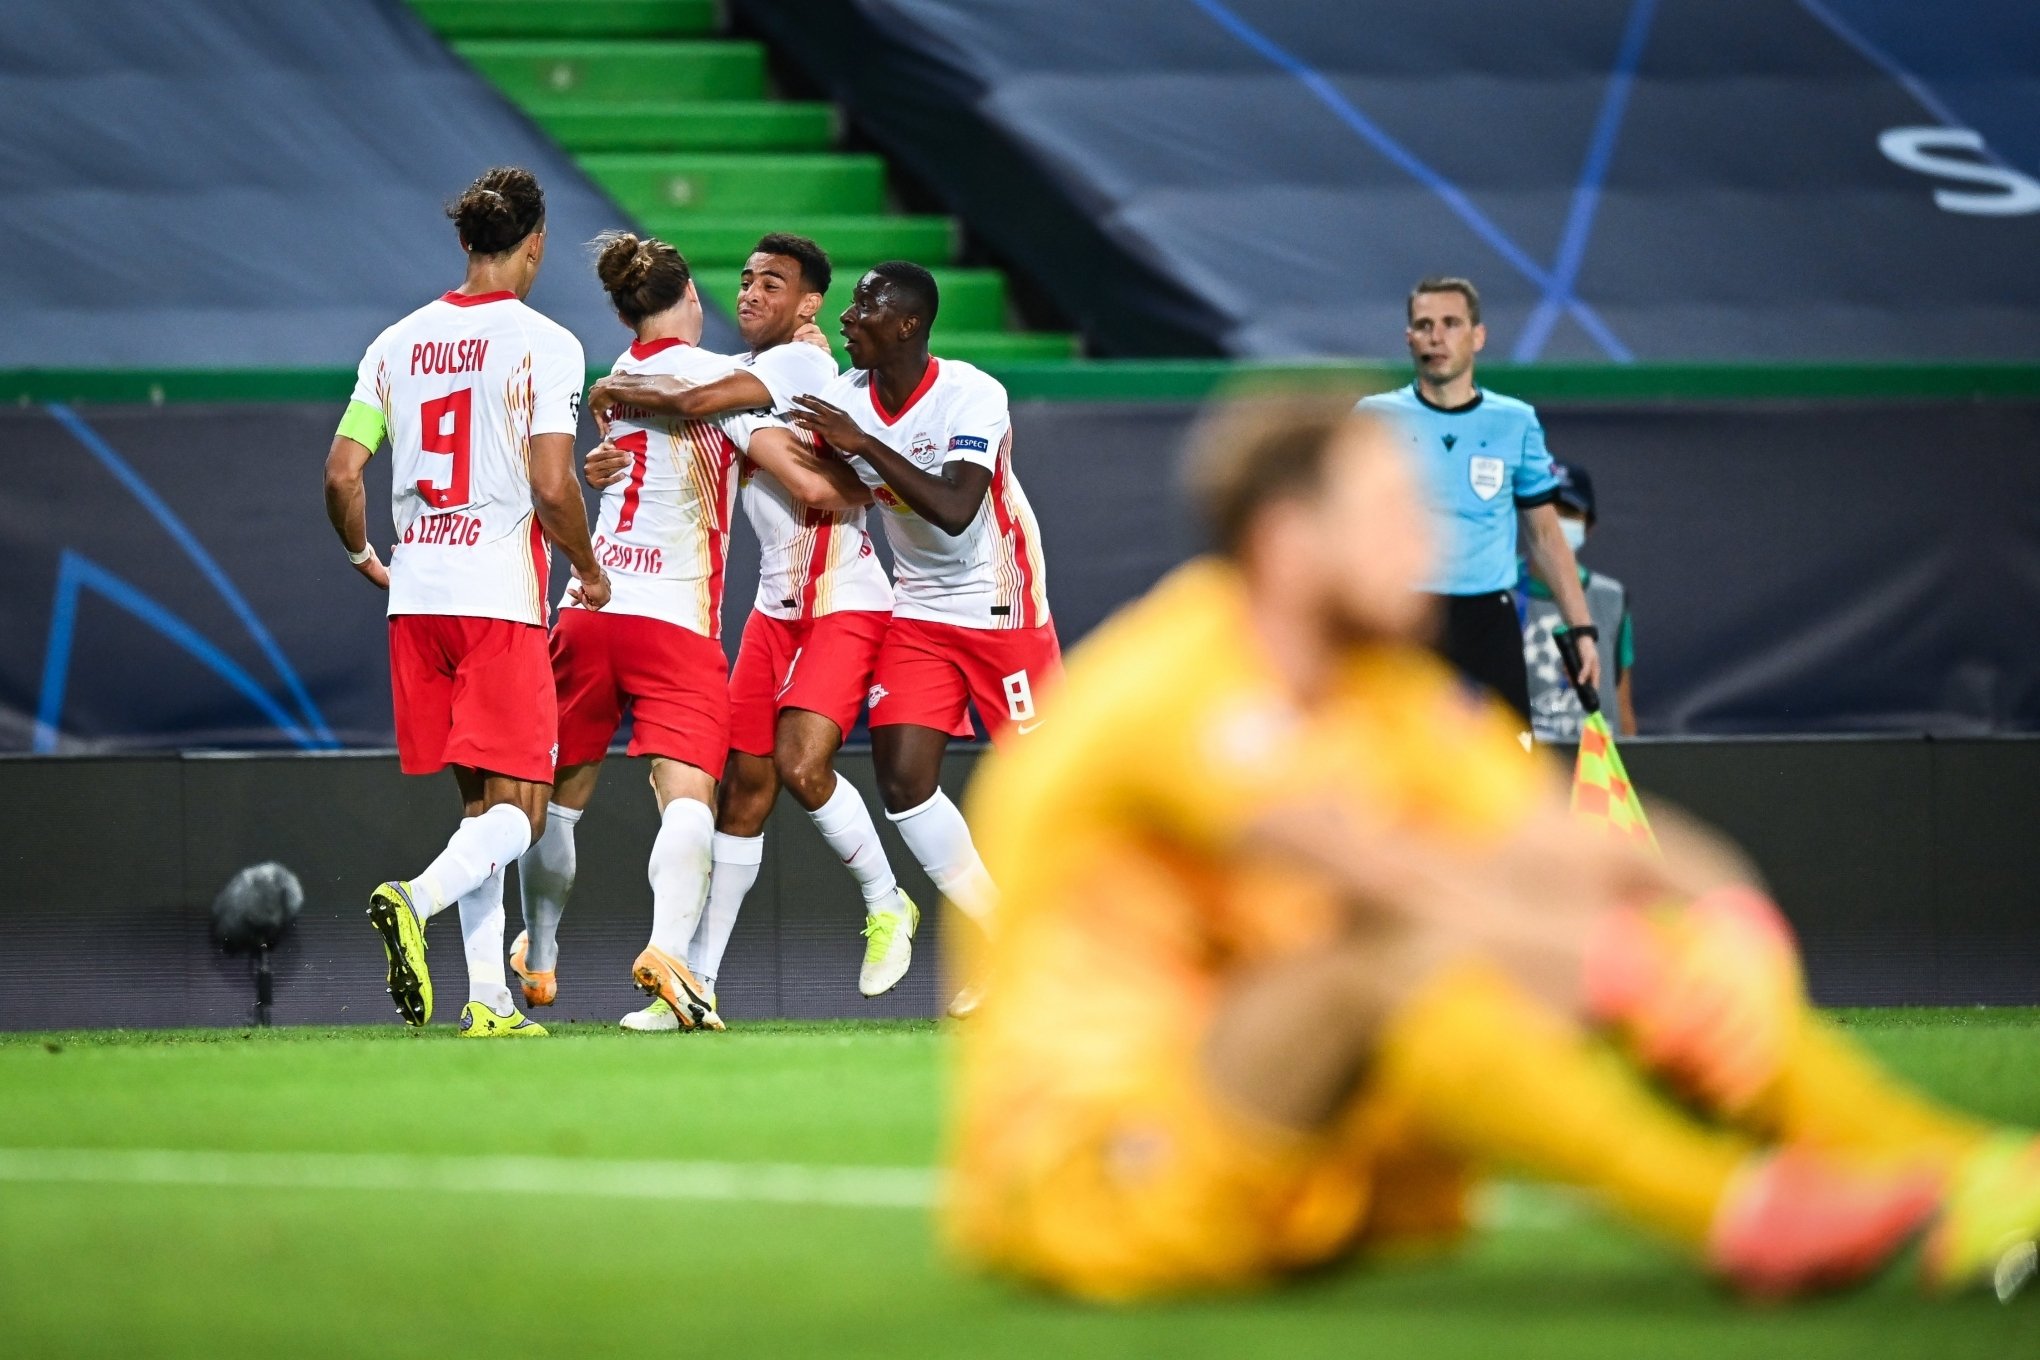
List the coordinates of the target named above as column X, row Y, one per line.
column 1171, row 736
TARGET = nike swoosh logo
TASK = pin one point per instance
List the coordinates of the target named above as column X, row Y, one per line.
column 1024, row 728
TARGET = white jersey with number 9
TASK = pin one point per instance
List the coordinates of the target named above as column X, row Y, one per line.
column 463, row 384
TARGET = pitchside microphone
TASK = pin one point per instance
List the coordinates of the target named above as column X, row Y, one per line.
column 251, row 915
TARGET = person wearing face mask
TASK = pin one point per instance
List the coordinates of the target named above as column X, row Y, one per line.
column 1555, row 713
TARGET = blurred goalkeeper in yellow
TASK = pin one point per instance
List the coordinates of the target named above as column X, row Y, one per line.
column 1296, row 944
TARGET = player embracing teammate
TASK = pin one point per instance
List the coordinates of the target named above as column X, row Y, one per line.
column 663, row 533
column 481, row 381
column 933, row 439
column 821, row 611
column 479, row 397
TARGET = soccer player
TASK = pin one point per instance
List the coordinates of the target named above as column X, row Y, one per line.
column 663, row 531
column 479, row 396
column 933, row 440
column 1293, row 940
column 822, row 606
column 1487, row 474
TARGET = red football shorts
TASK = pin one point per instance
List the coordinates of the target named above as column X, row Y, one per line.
column 675, row 680
column 475, row 692
column 822, row 665
column 927, row 671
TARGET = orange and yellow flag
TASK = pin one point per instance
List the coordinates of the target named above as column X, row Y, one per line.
column 1601, row 792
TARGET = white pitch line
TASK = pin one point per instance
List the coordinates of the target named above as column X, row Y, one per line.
column 1505, row 1205
column 856, row 1187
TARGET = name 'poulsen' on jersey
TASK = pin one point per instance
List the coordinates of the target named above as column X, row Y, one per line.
column 448, row 356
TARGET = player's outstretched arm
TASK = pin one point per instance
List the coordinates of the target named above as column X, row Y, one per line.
column 556, row 497
column 824, row 483
column 949, row 499
column 666, row 395
column 347, row 506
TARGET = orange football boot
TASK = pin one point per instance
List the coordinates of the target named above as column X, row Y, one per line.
column 540, row 988
column 659, row 974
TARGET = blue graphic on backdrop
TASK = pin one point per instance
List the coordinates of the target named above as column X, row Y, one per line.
column 77, row 574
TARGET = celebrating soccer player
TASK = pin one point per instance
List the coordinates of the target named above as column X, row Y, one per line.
column 934, row 440
column 805, row 664
column 664, row 533
column 479, row 396
column 1314, row 943
column 1486, row 473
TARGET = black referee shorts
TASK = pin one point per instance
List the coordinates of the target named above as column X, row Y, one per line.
column 1483, row 641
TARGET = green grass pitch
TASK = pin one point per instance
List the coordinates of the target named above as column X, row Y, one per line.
column 540, row 1257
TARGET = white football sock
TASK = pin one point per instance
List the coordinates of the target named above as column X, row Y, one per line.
column 481, row 937
column 845, row 823
column 679, row 873
column 936, row 833
column 737, row 859
column 544, row 878
column 481, row 847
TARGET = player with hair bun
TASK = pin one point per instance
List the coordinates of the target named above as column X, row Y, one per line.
column 663, row 534
column 479, row 397
column 816, row 624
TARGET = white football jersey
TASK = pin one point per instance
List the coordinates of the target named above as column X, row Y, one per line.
column 992, row 574
column 663, row 530
column 464, row 383
column 810, row 562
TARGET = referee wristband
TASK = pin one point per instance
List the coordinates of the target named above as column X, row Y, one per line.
column 357, row 558
column 1581, row 630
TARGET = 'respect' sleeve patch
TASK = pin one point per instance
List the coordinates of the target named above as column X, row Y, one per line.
column 974, row 443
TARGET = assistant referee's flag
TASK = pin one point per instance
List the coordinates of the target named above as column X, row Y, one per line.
column 1601, row 792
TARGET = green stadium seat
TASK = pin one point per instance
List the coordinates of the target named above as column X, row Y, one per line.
column 972, row 299
column 709, row 240
column 619, row 72
column 680, row 126
column 989, row 348
column 721, row 183
column 681, row 135
column 569, row 18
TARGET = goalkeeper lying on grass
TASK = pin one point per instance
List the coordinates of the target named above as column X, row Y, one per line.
column 1296, row 944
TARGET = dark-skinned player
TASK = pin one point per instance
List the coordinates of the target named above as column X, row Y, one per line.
column 933, row 439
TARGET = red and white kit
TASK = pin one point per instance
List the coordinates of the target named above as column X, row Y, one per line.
column 970, row 615
column 823, row 598
column 663, row 535
column 464, row 383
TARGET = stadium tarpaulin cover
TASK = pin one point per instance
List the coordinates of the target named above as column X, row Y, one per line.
column 249, row 184
column 1626, row 179
column 152, row 607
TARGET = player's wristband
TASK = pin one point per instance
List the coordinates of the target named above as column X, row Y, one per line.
column 357, row 558
column 1581, row 630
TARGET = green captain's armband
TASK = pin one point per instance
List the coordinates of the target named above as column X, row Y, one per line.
column 363, row 424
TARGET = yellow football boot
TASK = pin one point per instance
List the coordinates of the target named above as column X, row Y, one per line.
column 479, row 1022
column 395, row 918
column 1990, row 1220
column 888, row 946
